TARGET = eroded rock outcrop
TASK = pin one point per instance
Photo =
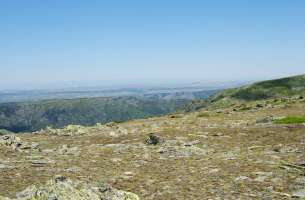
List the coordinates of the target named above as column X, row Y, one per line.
column 15, row 143
column 70, row 130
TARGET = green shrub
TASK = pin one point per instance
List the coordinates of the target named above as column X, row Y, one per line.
column 290, row 120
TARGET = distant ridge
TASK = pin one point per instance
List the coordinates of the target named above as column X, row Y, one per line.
column 276, row 88
column 33, row 116
column 282, row 87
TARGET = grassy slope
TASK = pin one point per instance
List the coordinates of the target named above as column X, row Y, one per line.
column 271, row 89
column 260, row 91
column 268, row 89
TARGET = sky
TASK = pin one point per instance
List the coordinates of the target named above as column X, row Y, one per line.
column 58, row 41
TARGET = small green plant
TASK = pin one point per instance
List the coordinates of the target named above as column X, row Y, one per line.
column 290, row 120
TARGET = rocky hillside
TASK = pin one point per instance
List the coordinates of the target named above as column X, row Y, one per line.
column 234, row 148
column 277, row 90
column 251, row 150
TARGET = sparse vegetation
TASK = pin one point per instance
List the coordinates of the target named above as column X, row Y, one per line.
column 203, row 114
column 277, row 90
column 178, row 156
column 290, row 120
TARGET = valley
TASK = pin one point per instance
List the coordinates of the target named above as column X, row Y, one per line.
column 229, row 149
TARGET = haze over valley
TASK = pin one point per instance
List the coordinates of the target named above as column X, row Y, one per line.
column 152, row 100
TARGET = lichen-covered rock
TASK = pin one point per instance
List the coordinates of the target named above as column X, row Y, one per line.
column 70, row 130
column 16, row 143
column 61, row 188
column 154, row 139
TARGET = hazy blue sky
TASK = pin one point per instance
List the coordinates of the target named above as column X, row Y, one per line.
column 79, row 40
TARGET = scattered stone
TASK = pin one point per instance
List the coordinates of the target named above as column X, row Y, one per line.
column 301, row 181
column 128, row 173
column 267, row 119
column 116, row 160
column 61, row 188
column 217, row 134
column 70, row 130
column 74, row 169
column 112, row 129
column 41, row 162
column 188, row 144
column 241, row 178
column 67, row 150
column 4, row 167
column 215, row 170
column 262, row 176
column 59, row 178
column 299, row 194
column 174, row 149
column 280, row 148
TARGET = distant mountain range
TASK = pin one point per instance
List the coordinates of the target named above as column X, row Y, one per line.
column 167, row 91
column 64, row 107
column 22, row 111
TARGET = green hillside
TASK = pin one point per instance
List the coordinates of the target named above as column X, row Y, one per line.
column 268, row 89
column 32, row 116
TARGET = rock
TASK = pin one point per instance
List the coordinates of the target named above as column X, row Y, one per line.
column 174, row 148
column 112, row 129
column 14, row 142
column 128, row 173
column 4, row 167
column 116, row 160
column 70, row 130
column 241, row 178
column 153, row 139
column 112, row 124
column 10, row 141
column 267, row 119
column 262, row 176
column 62, row 188
column 74, row 169
column 34, row 145
column 280, row 148
column 217, row 134
column 299, row 194
column 301, row 181
column 59, row 178
column 188, row 144
column 215, row 170
column 67, row 150
column 41, row 162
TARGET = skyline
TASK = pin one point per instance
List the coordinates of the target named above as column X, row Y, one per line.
column 140, row 42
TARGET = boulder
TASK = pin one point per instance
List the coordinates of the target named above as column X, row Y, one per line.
column 153, row 139
column 14, row 142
